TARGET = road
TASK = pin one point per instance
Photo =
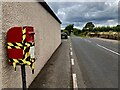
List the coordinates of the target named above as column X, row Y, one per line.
column 98, row 61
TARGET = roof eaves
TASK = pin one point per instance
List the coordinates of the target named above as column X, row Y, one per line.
column 45, row 5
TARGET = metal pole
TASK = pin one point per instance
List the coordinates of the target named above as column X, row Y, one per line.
column 23, row 77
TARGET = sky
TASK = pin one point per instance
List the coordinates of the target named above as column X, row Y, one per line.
column 101, row 13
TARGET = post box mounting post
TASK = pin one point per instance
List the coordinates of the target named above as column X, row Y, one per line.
column 23, row 73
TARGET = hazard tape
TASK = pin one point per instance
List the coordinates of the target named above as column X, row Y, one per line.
column 14, row 45
column 26, row 52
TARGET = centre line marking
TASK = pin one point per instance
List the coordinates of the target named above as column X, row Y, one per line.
column 72, row 61
column 70, row 48
column 75, row 86
column 108, row 49
column 71, row 53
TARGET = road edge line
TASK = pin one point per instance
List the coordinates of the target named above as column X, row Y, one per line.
column 108, row 49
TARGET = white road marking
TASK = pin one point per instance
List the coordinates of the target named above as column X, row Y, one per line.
column 71, row 53
column 70, row 48
column 108, row 49
column 75, row 86
column 72, row 61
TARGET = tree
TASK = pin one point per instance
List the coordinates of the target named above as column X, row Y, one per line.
column 89, row 26
column 69, row 28
column 65, row 31
column 118, row 28
column 76, row 31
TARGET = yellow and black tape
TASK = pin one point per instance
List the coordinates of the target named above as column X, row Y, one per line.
column 15, row 45
column 26, row 51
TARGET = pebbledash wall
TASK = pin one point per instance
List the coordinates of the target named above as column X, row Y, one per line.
column 47, row 37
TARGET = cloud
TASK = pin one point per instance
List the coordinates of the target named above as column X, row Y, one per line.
column 79, row 13
column 81, row 0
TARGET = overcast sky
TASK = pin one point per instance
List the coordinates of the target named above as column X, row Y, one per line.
column 79, row 13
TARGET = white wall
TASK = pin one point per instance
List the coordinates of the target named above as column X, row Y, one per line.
column 47, row 38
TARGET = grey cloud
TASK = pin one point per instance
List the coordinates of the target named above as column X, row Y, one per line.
column 90, row 11
column 61, row 5
column 79, row 13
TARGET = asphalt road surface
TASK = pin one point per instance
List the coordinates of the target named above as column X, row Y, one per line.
column 98, row 61
column 56, row 74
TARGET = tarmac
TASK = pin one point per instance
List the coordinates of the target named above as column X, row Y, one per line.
column 56, row 74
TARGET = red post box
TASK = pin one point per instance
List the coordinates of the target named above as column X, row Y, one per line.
column 20, row 46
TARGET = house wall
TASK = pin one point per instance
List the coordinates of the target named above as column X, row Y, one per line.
column 0, row 45
column 47, row 38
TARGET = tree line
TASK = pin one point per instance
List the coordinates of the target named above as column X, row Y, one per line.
column 90, row 27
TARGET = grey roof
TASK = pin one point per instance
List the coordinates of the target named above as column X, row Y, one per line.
column 45, row 5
